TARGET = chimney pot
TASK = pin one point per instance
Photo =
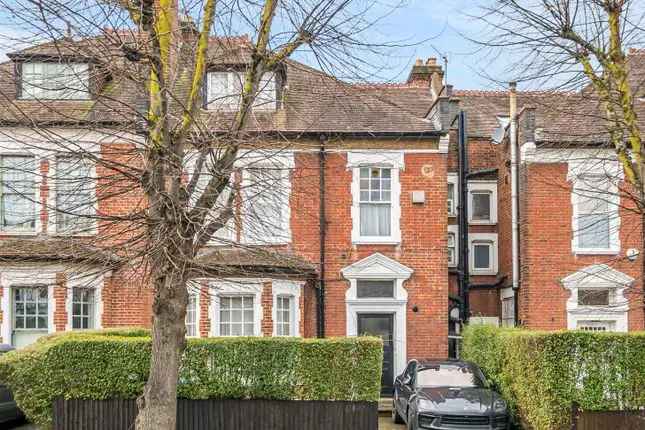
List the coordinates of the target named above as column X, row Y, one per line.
column 432, row 61
column 419, row 62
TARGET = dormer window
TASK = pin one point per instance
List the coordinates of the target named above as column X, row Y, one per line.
column 55, row 81
column 225, row 89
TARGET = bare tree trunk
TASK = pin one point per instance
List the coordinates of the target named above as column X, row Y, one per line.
column 158, row 405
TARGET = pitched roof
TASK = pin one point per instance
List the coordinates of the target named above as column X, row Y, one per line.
column 252, row 262
column 312, row 101
column 54, row 250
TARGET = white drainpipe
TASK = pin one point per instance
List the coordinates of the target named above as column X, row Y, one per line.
column 514, row 187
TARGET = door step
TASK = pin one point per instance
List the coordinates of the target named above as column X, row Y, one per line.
column 385, row 404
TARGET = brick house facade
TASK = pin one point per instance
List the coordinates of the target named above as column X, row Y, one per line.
column 365, row 174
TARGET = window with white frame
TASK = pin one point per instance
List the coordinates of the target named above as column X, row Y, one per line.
column 266, row 212
column 482, row 197
column 452, row 246
column 55, row 81
column 227, row 232
column 375, row 202
column 75, row 195
column 225, row 90
column 369, row 289
column 595, row 221
column 483, row 253
column 284, row 315
column 30, row 308
column 18, row 199
column 192, row 320
column 595, row 296
column 452, row 194
column 83, row 308
column 237, row 315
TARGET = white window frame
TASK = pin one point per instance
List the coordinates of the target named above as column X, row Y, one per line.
column 598, row 276
column 231, row 102
column 453, row 179
column 231, row 288
column 194, row 290
column 285, row 221
column 613, row 200
column 291, row 289
column 393, row 160
column 18, row 276
column 52, row 201
column 483, row 186
column 79, row 70
column 92, row 281
column 37, row 193
column 454, row 229
column 477, row 238
column 228, row 233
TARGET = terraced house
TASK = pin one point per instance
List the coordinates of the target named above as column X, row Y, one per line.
column 344, row 215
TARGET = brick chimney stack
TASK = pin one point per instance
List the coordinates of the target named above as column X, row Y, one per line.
column 430, row 73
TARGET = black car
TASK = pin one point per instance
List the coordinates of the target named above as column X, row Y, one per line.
column 8, row 409
column 435, row 394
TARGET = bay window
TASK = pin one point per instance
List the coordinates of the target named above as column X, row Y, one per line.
column 75, row 200
column 192, row 315
column 18, row 199
column 283, row 315
column 51, row 81
column 237, row 315
column 83, row 308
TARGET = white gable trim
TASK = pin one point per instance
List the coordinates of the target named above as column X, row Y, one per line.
column 598, row 276
column 377, row 266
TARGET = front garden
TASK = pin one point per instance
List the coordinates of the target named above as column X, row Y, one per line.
column 542, row 374
column 113, row 364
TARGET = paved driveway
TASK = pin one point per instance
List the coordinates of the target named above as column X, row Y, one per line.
column 385, row 423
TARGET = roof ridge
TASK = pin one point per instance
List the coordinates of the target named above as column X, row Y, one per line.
column 390, row 85
column 500, row 93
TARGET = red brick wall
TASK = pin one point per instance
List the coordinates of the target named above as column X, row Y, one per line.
column 546, row 249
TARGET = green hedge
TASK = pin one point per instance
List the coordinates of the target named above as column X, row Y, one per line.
column 115, row 363
column 541, row 374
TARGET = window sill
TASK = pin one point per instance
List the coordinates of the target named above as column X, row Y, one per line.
column 483, row 272
column 577, row 251
column 18, row 233
column 376, row 241
column 475, row 222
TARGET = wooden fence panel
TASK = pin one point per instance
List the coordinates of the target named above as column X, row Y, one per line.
column 119, row 414
column 603, row 420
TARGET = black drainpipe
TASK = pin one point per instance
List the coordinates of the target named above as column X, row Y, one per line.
column 322, row 222
column 464, row 276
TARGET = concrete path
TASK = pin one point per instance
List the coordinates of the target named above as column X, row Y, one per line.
column 385, row 423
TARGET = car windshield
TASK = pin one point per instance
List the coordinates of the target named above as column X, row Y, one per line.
column 448, row 375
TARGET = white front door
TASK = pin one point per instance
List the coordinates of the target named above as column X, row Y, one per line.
column 30, row 314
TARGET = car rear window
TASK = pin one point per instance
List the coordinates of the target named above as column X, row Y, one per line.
column 448, row 376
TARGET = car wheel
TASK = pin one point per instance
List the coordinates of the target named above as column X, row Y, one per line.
column 396, row 417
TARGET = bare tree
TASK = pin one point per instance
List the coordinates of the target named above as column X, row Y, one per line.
column 153, row 148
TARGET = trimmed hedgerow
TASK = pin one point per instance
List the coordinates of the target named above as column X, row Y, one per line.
column 115, row 364
column 541, row 374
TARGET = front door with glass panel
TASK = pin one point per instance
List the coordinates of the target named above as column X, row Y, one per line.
column 30, row 314
column 381, row 325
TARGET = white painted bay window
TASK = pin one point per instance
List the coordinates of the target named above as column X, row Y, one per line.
column 482, row 202
column 286, row 307
column 596, row 221
column 265, row 210
column 55, row 81
column 83, row 308
column 283, row 315
column 19, row 193
column 237, row 315
column 192, row 314
column 75, row 196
